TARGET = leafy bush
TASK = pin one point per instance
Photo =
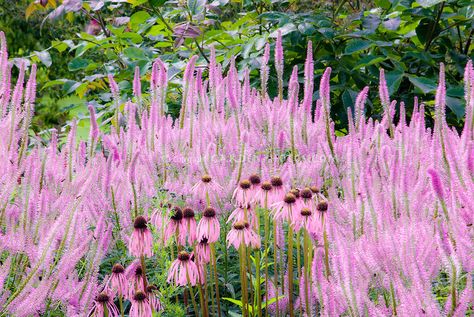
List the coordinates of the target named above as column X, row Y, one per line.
column 407, row 38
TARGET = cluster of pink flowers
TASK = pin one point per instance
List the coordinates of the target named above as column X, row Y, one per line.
column 362, row 224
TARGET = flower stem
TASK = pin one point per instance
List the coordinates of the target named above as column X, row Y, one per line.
column 216, row 280
column 290, row 269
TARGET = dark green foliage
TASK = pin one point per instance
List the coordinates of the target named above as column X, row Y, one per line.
column 409, row 39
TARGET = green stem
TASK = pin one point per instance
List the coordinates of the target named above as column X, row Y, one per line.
column 290, row 269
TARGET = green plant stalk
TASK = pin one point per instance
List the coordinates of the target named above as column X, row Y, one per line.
column 242, row 277
column 326, row 253
column 394, row 300
column 216, row 280
column 191, row 292
column 121, row 305
column 275, row 267
column 267, row 237
column 241, row 162
column 183, row 106
column 307, row 270
column 135, row 205
column 290, row 269
column 453, row 290
column 292, row 139
column 249, row 271
column 257, row 282
column 298, row 262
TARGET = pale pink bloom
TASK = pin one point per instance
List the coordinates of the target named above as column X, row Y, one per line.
column 152, row 293
column 118, row 281
column 175, row 227
column 242, row 194
column 243, row 214
column 189, row 223
column 203, row 251
column 157, row 219
column 263, row 194
column 183, row 271
column 277, row 192
column 141, row 242
column 241, row 233
column 102, row 303
column 206, row 188
column 134, row 274
column 140, row 305
column 285, row 210
column 209, row 226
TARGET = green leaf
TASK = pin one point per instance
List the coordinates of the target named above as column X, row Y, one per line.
column 134, row 37
column 456, row 105
column 44, row 57
column 53, row 83
column 357, row 45
column 369, row 60
column 424, row 84
column 394, row 79
column 196, row 6
column 135, row 53
column 136, row 2
column 428, row 3
column 78, row 63
column 138, row 18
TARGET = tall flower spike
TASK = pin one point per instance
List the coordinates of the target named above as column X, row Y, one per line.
column 325, row 89
column 137, row 85
column 440, row 98
column 279, row 64
column 436, row 183
column 308, row 78
column 360, row 104
column 264, row 72
column 293, row 90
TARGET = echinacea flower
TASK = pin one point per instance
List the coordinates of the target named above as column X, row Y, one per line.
column 209, row 226
column 241, row 233
column 203, row 251
column 152, row 293
column 243, row 214
column 135, row 277
column 262, row 195
column 242, row 194
column 140, row 305
column 205, row 188
column 175, row 227
column 189, row 223
column 277, row 191
column 141, row 242
column 118, row 281
column 284, row 210
column 183, row 271
column 307, row 220
column 104, row 306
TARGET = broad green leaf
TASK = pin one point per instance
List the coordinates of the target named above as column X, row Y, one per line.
column 78, row 63
column 368, row 61
column 394, row 79
column 134, row 52
column 424, row 84
column 456, row 105
column 357, row 45
column 196, row 6
column 138, row 18
column 428, row 3
column 53, row 83
column 136, row 2
column 44, row 57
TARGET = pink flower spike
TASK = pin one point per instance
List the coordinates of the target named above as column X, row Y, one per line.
column 436, row 183
column 325, row 89
column 137, row 86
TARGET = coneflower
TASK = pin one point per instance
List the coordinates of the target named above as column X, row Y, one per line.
column 118, row 281
column 175, row 226
column 183, row 271
column 189, row 223
column 277, row 190
column 206, row 188
column 242, row 194
column 140, row 305
column 285, row 210
column 242, row 233
column 141, row 242
column 209, row 226
column 203, row 251
column 152, row 293
column 104, row 306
